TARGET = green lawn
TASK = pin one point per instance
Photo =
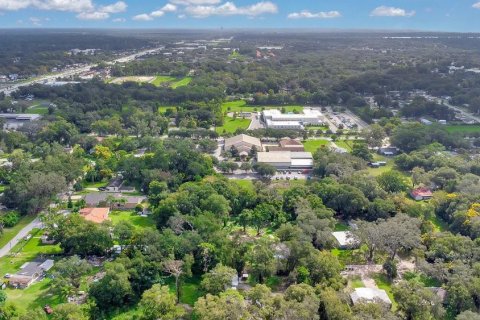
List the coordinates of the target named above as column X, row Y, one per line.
column 313, row 145
column 245, row 183
column 383, row 283
column 159, row 80
column 345, row 144
column 341, row 226
column 422, row 278
column 181, row 83
column 163, row 109
column 357, row 282
column 241, row 105
column 133, row 218
column 87, row 184
column 9, row 233
column 190, row 289
column 463, row 128
column 34, row 297
column 38, row 109
column 231, row 125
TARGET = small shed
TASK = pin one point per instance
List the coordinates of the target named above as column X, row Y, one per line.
column 345, row 239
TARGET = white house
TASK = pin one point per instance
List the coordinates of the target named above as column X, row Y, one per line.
column 370, row 295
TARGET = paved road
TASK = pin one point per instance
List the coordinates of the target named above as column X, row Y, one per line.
column 11, row 88
column 20, row 235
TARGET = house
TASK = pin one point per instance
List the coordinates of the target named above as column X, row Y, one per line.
column 345, row 239
column 29, row 273
column 388, row 151
column 422, row 193
column 97, row 215
column 243, row 144
column 286, row 159
column 287, row 144
column 114, row 200
column 368, row 295
column 114, row 185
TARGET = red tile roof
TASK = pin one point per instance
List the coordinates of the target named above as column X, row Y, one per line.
column 97, row 215
column 422, row 192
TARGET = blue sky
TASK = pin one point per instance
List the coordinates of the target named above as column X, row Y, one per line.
column 435, row 15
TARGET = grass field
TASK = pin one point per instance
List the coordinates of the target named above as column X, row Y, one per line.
column 9, row 233
column 313, row 145
column 383, row 283
column 132, row 217
column 159, row 80
column 345, row 144
column 357, row 282
column 241, row 105
column 163, row 109
column 138, row 79
column 231, row 125
column 246, row 184
column 38, row 109
column 87, row 184
column 463, row 128
column 181, row 83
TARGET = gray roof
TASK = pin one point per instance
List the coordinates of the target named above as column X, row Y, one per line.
column 242, row 138
column 33, row 268
column 370, row 295
column 95, row 198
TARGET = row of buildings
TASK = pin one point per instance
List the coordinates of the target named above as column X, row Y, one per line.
column 274, row 119
column 287, row 154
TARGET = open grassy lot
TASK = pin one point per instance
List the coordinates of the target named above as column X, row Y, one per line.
column 9, row 233
column 345, row 144
column 313, row 145
column 463, row 128
column 132, row 217
column 383, row 283
column 231, row 125
column 241, row 105
column 245, row 183
column 181, row 83
column 38, row 109
column 34, row 297
column 159, row 80
column 356, row 282
column 87, row 184
column 163, row 109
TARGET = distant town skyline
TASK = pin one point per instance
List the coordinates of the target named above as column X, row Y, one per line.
column 431, row 15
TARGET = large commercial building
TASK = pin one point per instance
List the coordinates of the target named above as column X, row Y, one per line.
column 243, row 144
column 274, row 119
column 15, row 120
column 286, row 159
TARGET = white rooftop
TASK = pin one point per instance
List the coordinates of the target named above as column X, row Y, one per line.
column 369, row 295
column 344, row 238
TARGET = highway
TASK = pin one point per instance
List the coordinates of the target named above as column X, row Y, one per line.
column 12, row 88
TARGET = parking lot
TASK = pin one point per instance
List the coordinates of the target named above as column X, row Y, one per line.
column 292, row 175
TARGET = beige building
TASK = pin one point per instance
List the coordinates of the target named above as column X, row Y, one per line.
column 243, row 144
column 286, row 159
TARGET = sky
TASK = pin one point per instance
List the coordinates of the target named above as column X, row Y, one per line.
column 428, row 15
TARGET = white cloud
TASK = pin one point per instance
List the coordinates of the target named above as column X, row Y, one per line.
column 195, row 2
column 157, row 14
column 116, row 7
column 35, row 21
column 94, row 15
column 57, row 5
column 229, row 8
column 119, row 20
column 169, row 8
column 142, row 17
column 384, row 11
column 85, row 9
column 305, row 14
column 476, row 5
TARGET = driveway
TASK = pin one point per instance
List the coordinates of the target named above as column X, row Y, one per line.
column 20, row 235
